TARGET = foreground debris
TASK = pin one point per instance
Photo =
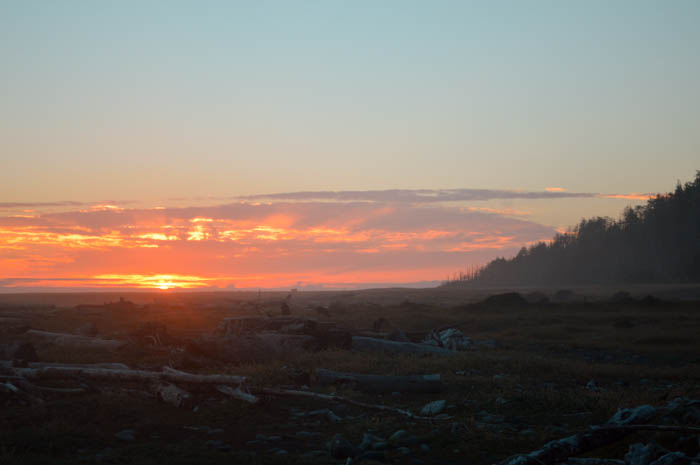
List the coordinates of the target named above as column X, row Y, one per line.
column 370, row 344
column 622, row 423
column 166, row 384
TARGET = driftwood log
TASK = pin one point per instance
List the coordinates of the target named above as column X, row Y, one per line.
column 562, row 449
column 111, row 366
column 165, row 383
column 238, row 393
column 105, row 374
column 379, row 383
column 593, row 461
column 369, row 344
column 40, row 390
column 73, row 341
column 344, row 400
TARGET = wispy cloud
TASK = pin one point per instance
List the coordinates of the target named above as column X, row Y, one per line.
column 630, row 196
column 418, row 195
column 63, row 204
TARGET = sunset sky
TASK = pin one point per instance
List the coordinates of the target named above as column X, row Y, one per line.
column 246, row 144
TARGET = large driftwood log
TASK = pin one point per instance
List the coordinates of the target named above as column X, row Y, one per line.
column 369, row 344
column 111, row 366
column 344, row 400
column 39, row 390
column 106, row 374
column 562, row 449
column 593, row 461
column 379, row 383
column 659, row 428
column 73, row 341
column 238, row 393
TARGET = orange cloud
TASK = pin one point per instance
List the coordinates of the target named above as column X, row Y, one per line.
column 246, row 245
column 630, row 196
column 555, row 189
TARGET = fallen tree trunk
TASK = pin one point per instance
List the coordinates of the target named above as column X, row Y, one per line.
column 561, row 450
column 110, row 366
column 379, row 383
column 105, row 374
column 39, row 390
column 344, row 400
column 593, row 461
column 238, row 393
column 662, row 428
column 73, row 341
column 370, row 344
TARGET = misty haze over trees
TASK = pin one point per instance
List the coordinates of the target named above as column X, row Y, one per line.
column 656, row 242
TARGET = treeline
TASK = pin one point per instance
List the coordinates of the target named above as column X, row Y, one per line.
column 656, row 242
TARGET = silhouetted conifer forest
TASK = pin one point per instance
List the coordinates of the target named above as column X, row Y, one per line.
column 656, row 242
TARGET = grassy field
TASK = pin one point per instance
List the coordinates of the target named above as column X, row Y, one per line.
column 529, row 386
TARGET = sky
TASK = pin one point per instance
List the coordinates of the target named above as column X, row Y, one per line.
column 326, row 143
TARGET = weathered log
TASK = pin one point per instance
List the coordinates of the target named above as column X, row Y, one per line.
column 73, row 340
column 105, row 374
column 39, row 390
column 561, row 450
column 593, row 461
column 369, row 344
column 238, row 393
column 379, row 383
column 24, row 351
column 661, row 428
column 111, row 366
column 344, row 400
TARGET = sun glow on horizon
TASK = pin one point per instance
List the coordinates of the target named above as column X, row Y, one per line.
column 160, row 281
